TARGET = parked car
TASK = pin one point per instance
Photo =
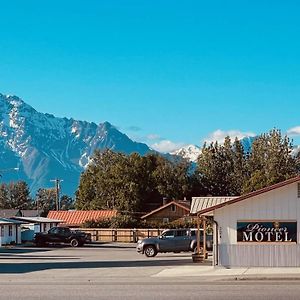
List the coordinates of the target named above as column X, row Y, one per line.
column 173, row 240
column 59, row 235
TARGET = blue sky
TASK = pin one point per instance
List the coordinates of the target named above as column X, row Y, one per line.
column 167, row 72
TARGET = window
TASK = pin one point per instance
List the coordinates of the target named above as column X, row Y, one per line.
column 54, row 230
column 45, row 227
column 10, row 230
column 298, row 190
column 173, row 208
column 2, row 231
column 165, row 220
column 182, row 233
column 169, row 234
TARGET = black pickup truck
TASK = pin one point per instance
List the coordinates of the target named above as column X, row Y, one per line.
column 59, row 235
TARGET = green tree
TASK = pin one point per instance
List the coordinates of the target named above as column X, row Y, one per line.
column 130, row 183
column 172, row 178
column 222, row 168
column 19, row 195
column 270, row 161
column 45, row 201
column 4, row 203
column 66, row 203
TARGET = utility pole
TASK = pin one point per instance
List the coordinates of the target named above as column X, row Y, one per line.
column 57, row 190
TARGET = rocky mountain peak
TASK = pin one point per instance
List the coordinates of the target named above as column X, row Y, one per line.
column 45, row 147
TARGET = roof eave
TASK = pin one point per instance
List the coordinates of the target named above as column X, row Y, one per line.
column 250, row 195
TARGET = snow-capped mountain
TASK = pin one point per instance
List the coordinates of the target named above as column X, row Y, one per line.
column 190, row 152
column 44, row 147
column 296, row 150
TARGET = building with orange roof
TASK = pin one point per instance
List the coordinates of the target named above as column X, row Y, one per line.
column 75, row 218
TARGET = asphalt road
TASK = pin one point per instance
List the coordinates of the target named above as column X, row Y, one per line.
column 118, row 272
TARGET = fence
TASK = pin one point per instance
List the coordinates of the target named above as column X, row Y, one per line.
column 121, row 235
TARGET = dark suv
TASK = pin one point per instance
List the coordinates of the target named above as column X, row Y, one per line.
column 62, row 235
column 172, row 240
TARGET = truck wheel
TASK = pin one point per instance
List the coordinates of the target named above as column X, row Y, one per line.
column 74, row 243
column 150, row 251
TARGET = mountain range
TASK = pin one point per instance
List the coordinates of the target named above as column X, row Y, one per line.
column 44, row 147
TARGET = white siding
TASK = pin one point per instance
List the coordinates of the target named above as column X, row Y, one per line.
column 14, row 238
column 281, row 204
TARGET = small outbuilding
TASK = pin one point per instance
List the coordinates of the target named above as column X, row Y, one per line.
column 259, row 229
column 169, row 212
column 10, row 232
column 9, row 213
column 32, row 225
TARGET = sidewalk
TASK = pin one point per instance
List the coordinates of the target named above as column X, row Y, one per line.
column 220, row 273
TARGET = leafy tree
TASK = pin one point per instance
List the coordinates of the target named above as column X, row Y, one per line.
column 66, row 203
column 15, row 195
column 45, row 201
column 172, row 178
column 99, row 183
column 130, row 183
column 19, row 195
column 240, row 168
column 4, row 196
column 270, row 161
column 222, row 169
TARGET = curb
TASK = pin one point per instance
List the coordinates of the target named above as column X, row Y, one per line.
column 263, row 278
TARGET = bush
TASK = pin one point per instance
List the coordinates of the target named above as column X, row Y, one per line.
column 120, row 221
column 103, row 223
column 127, row 221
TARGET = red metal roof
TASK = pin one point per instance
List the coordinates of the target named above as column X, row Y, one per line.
column 78, row 217
column 252, row 194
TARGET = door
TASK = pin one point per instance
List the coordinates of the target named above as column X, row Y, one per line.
column 167, row 241
column 53, row 235
column 182, row 240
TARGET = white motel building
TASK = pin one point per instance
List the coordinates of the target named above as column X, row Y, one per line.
column 259, row 229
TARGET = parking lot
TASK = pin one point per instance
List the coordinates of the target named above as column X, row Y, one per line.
column 105, row 259
column 116, row 271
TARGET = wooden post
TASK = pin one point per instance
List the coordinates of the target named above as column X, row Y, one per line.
column 204, row 238
column 198, row 257
column 198, row 235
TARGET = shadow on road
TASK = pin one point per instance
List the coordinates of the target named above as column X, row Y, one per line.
column 17, row 268
column 34, row 257
column 23, row 250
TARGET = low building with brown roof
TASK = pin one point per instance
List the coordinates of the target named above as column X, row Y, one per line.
column 169, row 212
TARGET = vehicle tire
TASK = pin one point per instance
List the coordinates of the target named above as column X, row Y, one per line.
column 74, row 243
column 150, row 251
